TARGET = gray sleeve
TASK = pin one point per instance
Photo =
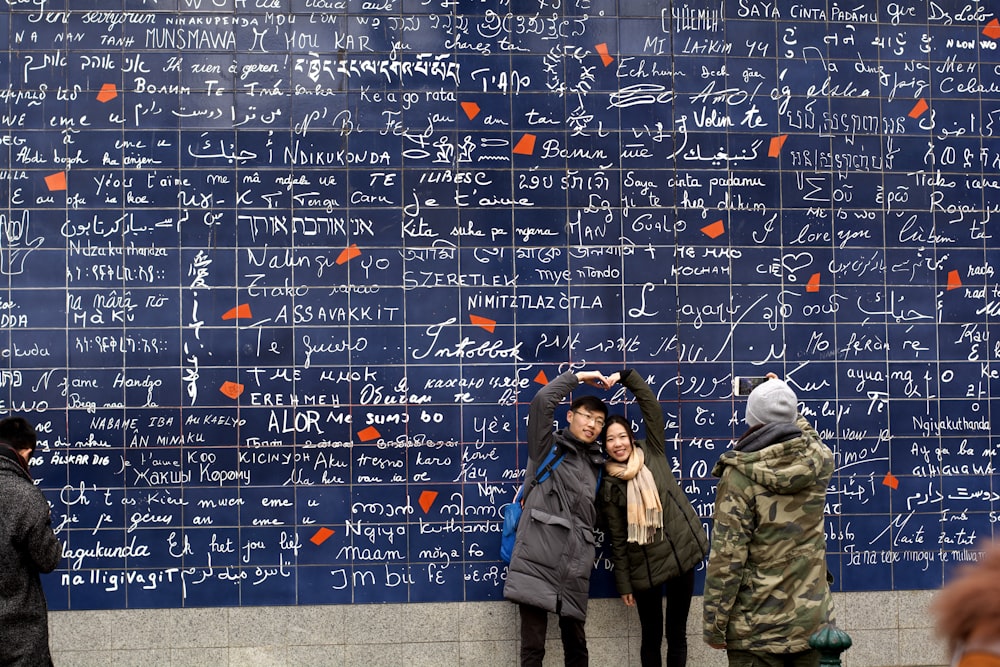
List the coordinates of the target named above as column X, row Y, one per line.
column 40, row 543
column 543, row 408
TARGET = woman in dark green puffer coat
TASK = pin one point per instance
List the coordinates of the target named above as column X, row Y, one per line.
column 655, row 538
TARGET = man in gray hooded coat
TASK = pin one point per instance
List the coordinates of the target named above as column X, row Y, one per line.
column 554, row 550
column 28, row 547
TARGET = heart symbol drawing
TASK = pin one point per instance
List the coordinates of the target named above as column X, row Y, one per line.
column 793, row 263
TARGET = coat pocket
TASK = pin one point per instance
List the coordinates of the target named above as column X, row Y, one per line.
column 542, row 537
column 582, row 562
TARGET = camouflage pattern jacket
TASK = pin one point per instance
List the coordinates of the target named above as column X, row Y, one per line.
column 765, row 587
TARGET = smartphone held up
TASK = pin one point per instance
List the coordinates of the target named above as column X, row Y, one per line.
column 742, row 386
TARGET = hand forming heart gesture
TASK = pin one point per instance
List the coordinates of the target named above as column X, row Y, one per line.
column 598, row 379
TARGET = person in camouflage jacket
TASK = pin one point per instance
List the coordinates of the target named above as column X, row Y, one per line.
column 766, row 587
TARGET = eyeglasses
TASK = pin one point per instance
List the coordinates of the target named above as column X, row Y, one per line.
column 588, row 418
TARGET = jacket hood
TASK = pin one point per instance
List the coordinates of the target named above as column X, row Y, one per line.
column 786, row 466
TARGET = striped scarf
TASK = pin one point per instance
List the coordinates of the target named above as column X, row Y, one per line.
column 645, row 513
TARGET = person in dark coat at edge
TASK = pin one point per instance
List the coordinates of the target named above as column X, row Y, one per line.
column 766, row 586
column 553, row 555
column 28, row 547
column 655, row 537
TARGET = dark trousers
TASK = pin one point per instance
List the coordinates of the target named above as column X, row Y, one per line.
column 535, row 622
column 808, row 658
column 649, row 603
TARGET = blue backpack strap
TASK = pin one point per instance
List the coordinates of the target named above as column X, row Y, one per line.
column 549, row 464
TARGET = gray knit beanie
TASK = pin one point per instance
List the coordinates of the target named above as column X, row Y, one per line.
column 772, row 401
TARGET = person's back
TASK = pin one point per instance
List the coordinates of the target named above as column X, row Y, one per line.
column 766, row 589
column 28, row 547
